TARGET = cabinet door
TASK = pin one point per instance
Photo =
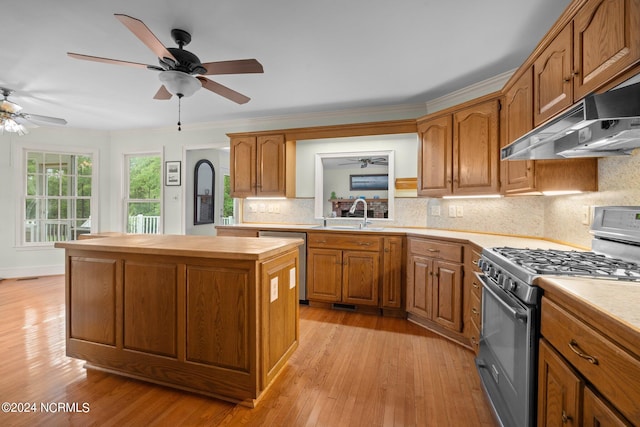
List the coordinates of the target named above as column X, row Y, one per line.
column 324, row 274
column 434, row 157
column 606, row 41
column 419, row 286
column 360, row 277
column 596, row 412
column 552, row 78
column 518, row 104
column 558, row 390
column 392, row 272
column 447, row 295
column 271, row 169
column 476, row 149
column 243, row 166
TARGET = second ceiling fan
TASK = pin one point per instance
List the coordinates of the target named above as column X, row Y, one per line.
column 181, row 72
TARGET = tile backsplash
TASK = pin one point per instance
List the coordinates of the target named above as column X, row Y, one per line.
column 559, row 218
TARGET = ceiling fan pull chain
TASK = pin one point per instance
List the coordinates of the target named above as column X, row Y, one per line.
column 179, row 112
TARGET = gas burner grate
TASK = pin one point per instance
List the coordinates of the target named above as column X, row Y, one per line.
column 575, row 263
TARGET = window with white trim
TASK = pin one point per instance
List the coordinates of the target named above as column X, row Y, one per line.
column 58, row 190
column 143, row 178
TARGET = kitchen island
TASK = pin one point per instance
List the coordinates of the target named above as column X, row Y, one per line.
column 212, row 315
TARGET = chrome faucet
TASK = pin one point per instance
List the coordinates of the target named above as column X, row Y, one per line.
column 352, row 210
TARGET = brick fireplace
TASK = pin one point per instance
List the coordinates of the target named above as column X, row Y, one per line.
column 376, row 208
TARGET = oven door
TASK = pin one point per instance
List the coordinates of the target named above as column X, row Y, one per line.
column 507, row 357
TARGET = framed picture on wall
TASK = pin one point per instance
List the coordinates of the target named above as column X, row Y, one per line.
column 369, row 182
column 172, row 173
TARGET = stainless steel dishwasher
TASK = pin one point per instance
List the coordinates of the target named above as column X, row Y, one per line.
column 302, row 279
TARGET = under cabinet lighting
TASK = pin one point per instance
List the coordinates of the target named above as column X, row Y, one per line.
column 481, row 196
column 266, row 198
column 560, row 192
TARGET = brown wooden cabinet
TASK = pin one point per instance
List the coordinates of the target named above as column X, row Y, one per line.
column 536, row 176
column 434, row 285
column 472, row 296
column 583, row 375
column 262, row 166
column 606, row 41
column 459, row 151
column 343, row 268
column 207, row 316
column 601, row 41
column 392, row 273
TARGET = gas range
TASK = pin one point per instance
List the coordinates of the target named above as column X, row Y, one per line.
column 615, row 255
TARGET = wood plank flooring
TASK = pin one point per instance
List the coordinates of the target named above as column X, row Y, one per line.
column 349, row 370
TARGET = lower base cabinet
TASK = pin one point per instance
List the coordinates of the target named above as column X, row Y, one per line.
column 435, row 285
column 362, row 270
column 584, row 379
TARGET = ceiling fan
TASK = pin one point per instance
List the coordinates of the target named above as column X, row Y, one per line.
column 13, row 119
column 181, row 72
column 366, row 161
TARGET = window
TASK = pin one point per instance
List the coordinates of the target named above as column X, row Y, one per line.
column 58, row 196
column 227, row 203
column 143, row 190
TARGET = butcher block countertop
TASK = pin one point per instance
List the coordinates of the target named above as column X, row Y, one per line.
column 181, row 245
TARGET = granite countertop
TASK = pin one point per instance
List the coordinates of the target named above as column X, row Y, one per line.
column 181, row 245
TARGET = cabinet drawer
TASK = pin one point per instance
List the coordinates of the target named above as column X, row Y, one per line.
column 360, row 242
column 613, row 371
column 476, row 306
column 436, row 249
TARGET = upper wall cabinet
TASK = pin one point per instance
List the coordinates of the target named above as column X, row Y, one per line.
column 459, row 152
column 601, row 41
column 533, row 177
column 261, row 166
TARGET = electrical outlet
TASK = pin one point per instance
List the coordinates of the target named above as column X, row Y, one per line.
column 262, row 208
column 270, row 208
column 435, row 210
column 459, row 211
column 452, row 211
column 253, row 208
column 276, row 208
column 587, row 214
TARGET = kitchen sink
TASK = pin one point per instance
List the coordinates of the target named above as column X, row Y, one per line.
column 347, row 227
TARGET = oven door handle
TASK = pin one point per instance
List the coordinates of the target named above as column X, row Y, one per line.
column 506, row 301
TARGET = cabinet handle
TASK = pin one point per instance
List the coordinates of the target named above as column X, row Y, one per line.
column 364, row 243
column 567, row 79
column 573, row 345
column 474, row 262
column 475, row 285
column 321, row 241
column 433, row 250
column 565, row 417
column 475, row 310
column 386, row 250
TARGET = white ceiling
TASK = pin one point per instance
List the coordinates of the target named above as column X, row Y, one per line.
column 318, row 55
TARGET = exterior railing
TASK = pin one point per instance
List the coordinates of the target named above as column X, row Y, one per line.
column 141, row 224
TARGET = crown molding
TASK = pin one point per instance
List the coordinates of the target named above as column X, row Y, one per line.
column 468, row 93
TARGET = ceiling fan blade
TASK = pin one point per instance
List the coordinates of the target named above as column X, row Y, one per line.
column 106, row 60
column 141, row 31
column 224, row 91
column 162, row 93
column 239, row 66
column 43, row 119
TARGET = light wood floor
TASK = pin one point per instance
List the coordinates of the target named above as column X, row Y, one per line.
column 349, row 370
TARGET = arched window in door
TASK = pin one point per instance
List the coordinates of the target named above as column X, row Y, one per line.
column 203, row 192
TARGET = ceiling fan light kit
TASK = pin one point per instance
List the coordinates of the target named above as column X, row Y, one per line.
column 11, row 116
column 179, row 83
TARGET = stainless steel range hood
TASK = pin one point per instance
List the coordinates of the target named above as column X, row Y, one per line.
column 606, row 124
